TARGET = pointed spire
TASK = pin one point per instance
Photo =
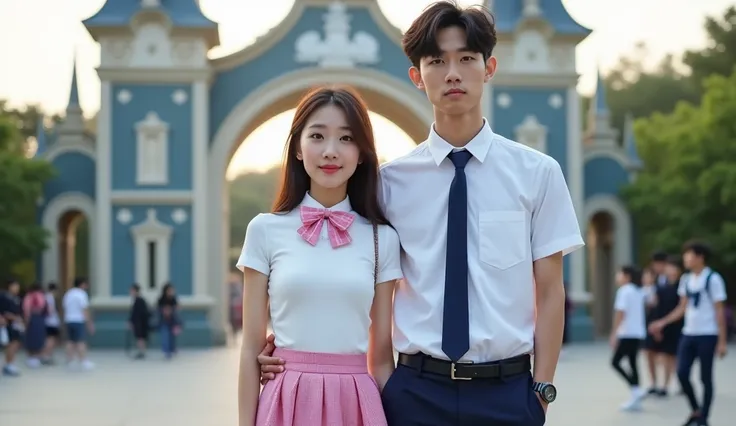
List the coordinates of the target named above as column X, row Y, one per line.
column 74, row 92
column 40, row 137
column 635, row 162
column 601, row 101
column 73, row 123
column 599, row 131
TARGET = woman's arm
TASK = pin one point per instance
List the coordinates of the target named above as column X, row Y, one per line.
column 255, row 321
column 380, row 347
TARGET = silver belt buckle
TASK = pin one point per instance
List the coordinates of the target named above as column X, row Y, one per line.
column 452, row 372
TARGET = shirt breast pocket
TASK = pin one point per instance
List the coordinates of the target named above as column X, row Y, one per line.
column 502, row 238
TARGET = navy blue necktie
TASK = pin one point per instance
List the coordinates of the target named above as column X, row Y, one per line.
column 455, row 322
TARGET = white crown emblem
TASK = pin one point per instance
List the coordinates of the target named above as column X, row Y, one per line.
column 337, row 49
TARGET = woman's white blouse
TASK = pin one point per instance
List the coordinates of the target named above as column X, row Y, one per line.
column 320, row 298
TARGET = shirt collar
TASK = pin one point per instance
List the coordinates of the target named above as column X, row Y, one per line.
column 478, row 146
column 343, row 206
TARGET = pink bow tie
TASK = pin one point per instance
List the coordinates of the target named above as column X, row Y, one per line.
column 337, row 225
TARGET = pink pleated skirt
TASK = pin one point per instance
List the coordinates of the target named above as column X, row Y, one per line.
column 319, row 389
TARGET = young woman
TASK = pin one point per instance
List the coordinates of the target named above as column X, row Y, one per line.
column 35, row 310
column 324, row 264
column 629, row 330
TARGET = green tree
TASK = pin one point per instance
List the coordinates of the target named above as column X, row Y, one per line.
column 688, row 187
column 719, row 57
column 631, row 89
column 21, row 185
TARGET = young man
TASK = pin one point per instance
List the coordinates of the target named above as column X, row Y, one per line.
column 78, row 320
column 702, row 293
column 483, row 223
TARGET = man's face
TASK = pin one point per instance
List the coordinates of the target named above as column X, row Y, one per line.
column 14, row 288
column 454, row 80
column 658, row 267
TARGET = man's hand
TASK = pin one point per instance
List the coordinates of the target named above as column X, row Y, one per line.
column 721, row 349
column 270, row 365
column 656, row 327
column 543, row 402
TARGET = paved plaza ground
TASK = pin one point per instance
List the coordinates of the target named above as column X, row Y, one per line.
column 199, row 389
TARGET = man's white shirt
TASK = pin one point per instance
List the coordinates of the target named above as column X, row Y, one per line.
column 519, row 211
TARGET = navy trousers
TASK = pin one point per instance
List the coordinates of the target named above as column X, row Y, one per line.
column 704, row 349
column 411, row 398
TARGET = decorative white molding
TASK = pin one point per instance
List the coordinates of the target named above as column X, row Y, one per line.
column 152, row 165
column 504, row 100
column 574, row 175
column 82, row 146
column 531, row 53
column 200, row 144
column 614, row 153
column 148, row 4
column 337, row 49
column 153, row 46
column 556, row 101
column 149, row 235
column 143, row 197
column 230, row 134
column 59, row 205
column 179, row 216
column 124, row 216
column 179, row 97
column 531, row 9
column 102, row 255
column 124, row 96
column 532, row 133
column 278, row 33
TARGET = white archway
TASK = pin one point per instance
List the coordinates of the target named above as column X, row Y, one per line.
column 603, row 260
column 61, row 204
column 230, row 133
column 621, row 221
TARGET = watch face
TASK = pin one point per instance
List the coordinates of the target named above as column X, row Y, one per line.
column 549, row 393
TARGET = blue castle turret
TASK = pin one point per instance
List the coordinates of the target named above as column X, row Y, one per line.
column 41, row 144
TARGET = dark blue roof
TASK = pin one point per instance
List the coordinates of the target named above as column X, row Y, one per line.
column 508, row 13
column 183, row 13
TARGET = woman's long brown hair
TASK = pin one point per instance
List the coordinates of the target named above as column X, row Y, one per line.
column 363, row 184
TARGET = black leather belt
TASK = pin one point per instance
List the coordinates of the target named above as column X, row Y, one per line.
column 467, row 371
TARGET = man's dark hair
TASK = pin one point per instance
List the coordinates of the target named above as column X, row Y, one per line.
column 79, row 281
column 420, row 40
column 634, row 274
column 51, row 286
column 659, row 256
column 699, row 248
column 675, row 261
column 135, row 287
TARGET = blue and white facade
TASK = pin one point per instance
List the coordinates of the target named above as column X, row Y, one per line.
column 151, row 181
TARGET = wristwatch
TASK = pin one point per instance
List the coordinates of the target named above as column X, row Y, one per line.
column 547, row 391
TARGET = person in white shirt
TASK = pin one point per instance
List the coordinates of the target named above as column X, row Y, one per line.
column 702, row 295
column 629, row 330
column 323, row 264
column 78, row 321
column 484, row 223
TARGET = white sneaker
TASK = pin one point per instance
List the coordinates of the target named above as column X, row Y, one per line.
column 33, row 362
column 634, row 402
column 87, row 365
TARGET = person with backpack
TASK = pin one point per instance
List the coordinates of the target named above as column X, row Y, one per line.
column 702, row 294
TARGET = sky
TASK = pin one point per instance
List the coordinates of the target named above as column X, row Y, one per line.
column 38, row 40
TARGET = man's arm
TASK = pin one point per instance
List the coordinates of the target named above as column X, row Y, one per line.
column 550, row 301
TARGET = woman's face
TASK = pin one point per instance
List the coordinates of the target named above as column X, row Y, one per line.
column 327, row 149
